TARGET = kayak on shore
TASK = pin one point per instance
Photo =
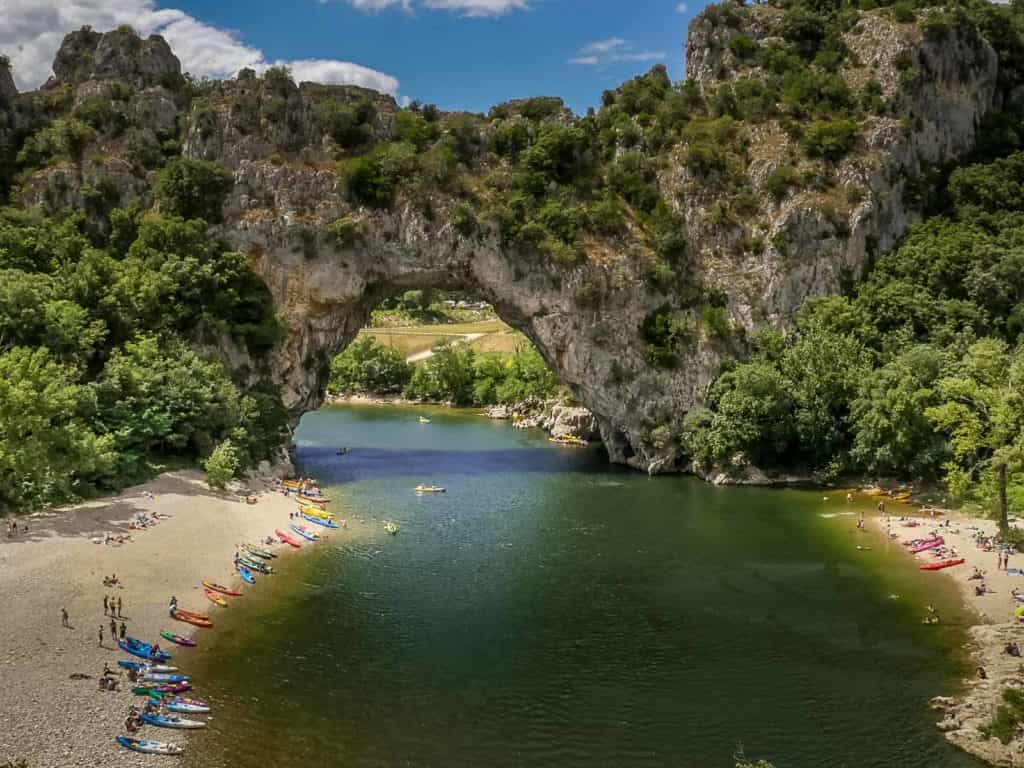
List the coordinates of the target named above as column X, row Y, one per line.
column 246, row 574
column 288, row 539
column 163, row 689
column 149, row 747
column 305, row 533
column 260, row 553
column 142, row 650
column 941, row 564
column 179, row 639
column 326, row 523
column 255, row 565
column 182, row 705
column 214, row 598
column 172, row 721
column 222, row 589
column 138, row 666
column 196, row 619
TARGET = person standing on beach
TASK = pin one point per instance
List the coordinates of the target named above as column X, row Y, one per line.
column 118, row 606
column 64, row 618
column 113, row 629
column 101, row 635
column 104, row 605
column 122, row 630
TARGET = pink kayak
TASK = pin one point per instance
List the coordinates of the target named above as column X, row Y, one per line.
column 926, row 545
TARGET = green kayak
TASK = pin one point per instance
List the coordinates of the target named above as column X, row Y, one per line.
column 255, row 565
column 261, row 553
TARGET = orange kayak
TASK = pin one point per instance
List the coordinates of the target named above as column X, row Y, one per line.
column 213, row 597
column 196, row 619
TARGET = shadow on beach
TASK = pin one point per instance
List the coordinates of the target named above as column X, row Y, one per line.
column 113, row 515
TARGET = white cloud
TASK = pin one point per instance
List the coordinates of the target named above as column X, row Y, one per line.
column 682, row 8
column 473, row 8
column 33, row 30
column 603, row 52
column 602, row 46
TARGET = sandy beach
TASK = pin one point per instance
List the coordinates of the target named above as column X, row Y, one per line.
column 963, row 715
column 55, row 721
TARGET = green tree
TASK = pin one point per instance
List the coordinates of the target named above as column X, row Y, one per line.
column 367, row 366
column 447, row 375
column 982, row 413
column 193, row 189
column 48, row 453
column 222, row 465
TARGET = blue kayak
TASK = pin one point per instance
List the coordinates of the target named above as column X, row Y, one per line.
column 303, row 533
column 319, row 520
column 142, row 650
column 148, row 746
column 246, row 574
column 171, row 721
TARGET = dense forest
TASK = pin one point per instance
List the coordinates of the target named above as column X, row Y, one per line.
column 111, row 316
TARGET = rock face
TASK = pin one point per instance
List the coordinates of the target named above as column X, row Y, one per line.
column 288, row 199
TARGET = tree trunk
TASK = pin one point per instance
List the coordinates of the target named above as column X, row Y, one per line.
column 1004, row 523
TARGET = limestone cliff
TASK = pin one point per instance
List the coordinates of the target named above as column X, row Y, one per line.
column 328, row 261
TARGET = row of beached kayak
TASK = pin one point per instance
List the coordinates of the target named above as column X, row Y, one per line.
column 162, row 683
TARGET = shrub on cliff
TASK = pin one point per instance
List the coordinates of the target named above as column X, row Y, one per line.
column 193, row 189
column 830, row 139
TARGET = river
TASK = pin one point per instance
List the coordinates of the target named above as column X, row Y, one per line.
column 551, row 610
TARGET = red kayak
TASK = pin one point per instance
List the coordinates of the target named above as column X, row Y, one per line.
column 288, row 539
column 941, row 564
column 223, row 590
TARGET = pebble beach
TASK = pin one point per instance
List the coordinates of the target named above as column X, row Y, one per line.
column 53, row 720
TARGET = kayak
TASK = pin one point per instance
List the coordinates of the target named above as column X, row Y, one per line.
column 181, row 704
column 196, row 619
column 246, row 575
column 304, row 533
column 142, row 650
column 317, row 500
column 176, row 638
column 163, row 677
column 160, row 689
column 941, row 564
column 316, row 512
column 223, row 590
column 926, row 545
column 319, row 520
column 255, row 565
column 149, row 746
column 213, row 597
column 138, row 666
column 260, row 553
column 288, row 539
column 171, row 721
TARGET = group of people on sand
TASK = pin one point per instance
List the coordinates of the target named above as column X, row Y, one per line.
column 111, row 540
column 12, row 528
column 133, row 721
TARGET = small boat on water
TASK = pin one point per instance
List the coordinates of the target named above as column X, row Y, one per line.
column 941, row 564
column 215, row 598
column 222, row 589
column 305, row 532
column 177, row 638
column 324, row 521
column 424, row 420
column 196, row 619
column 391, row 528
column 172, row 721
column 429, row 489
column 288, row 539
column 142, row 650
column 246, row 574
column 148, row 746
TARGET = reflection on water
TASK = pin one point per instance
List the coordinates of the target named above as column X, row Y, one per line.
column 549, row 610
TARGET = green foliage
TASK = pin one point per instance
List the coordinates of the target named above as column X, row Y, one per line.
column 61, row 140
column 193, row 189
column 781, row 180
column 446, row 376
column 665, row 332
column 222, row 465
column 830, row 139
column 346, row 230
column 349, row 124
column 412, row 128
column 742, row 46
column 368, row 367
column 1008, row 717
column 373, row 179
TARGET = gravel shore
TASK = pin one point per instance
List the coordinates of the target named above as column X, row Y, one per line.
column 54, row 721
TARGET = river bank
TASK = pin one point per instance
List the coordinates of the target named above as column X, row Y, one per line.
column 965, row 715
column 50, row 719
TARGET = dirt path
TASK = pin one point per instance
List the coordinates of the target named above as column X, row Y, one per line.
column 427, row 353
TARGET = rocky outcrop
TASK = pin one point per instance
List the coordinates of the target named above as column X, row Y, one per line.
column 281, row 141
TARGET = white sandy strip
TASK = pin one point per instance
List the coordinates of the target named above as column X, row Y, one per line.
column 56, row 722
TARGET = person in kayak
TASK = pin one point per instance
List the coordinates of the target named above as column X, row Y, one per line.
column 154, row 652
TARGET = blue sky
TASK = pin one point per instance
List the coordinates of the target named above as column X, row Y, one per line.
column 462, row 62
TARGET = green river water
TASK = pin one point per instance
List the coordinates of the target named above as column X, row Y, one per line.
column 551, row 610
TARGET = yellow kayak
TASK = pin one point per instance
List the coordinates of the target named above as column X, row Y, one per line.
column 314, row 512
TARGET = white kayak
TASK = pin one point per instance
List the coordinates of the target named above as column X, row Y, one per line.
column 149, row 747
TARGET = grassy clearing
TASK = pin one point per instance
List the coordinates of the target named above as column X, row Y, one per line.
column 413, row 339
